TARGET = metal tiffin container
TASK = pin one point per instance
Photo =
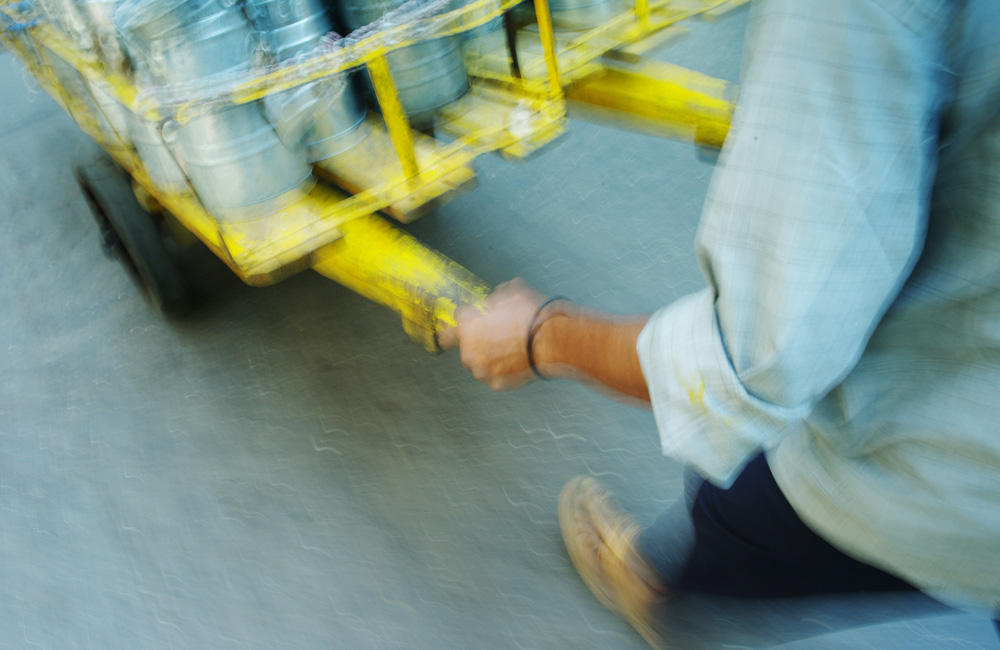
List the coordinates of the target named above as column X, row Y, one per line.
column 325, row 115
column 161, row 166
column 428, row 75
column 483, row 39
column 233, row 157
column 583, row 14
column 143, row 21
column 270, row 15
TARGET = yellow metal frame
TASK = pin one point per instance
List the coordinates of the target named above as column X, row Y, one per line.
column 605, row 76
column 407, row 172
column 655, row 97
column 335, row 233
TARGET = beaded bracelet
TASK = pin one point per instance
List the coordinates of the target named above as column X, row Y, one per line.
column 533, row 328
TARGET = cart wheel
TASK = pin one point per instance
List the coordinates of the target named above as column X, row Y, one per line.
column 131, row 233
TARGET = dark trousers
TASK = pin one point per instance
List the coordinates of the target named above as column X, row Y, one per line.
column 747, row 541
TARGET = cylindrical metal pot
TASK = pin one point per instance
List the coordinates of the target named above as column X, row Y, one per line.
column 483, row 32
column 296, row 38
column 428, row 75
column 484, row 39
column 148, row 20
column 219, row 43
column 583, row 14
column 160, row 164
column 238, row 165
column 338, row 129
column 327, row 125
column 271, row 14
column 234, row 159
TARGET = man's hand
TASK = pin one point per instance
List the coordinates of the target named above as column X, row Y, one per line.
column 494, row 341
column 570, row 342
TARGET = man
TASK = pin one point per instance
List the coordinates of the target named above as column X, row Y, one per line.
column 850, row 329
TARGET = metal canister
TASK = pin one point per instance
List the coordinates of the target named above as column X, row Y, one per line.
column 233, row 157
column 272, row 14
column 161, row 166
column 148, row 20
column 428, row 75
column 488, row 37
column 299, row 37
column 239, row 167
column 326, row 116
column 583, row 14
column 211, row 45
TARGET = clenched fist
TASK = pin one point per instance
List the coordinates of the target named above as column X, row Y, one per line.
column 493, row 342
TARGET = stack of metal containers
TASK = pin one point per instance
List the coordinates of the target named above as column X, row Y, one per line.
column 247, row 160
column 325, row 115
column 239, row 167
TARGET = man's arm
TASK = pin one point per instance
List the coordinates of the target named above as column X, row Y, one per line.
column 570, row 341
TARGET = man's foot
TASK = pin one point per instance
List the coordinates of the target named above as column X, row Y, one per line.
column 601, row 543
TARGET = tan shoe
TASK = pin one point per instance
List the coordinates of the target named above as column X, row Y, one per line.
column 601, row 543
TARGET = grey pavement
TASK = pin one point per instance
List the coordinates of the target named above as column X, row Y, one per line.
column 285, row 469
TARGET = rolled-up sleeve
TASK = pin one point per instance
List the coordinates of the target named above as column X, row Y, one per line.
column 814, row 220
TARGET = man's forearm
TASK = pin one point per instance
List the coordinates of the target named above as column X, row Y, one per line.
column 583, row 344
column 566, row 340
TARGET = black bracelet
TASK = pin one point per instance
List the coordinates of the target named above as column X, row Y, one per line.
column 533, row 329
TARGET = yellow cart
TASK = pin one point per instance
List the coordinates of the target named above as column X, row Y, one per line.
column 516, row 106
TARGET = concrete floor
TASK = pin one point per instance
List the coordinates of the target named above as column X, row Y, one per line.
column 285, row 469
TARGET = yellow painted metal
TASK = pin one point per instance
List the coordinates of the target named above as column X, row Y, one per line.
column 404, row 172
column 579, row 52
column 547, row 35
column 642, row 10
column 475, row 121
column 329, row 229
column 605, row 79
column 386, row 265
column 656, row 97
column 395, row 116
column 373, row 161
column 389, row 182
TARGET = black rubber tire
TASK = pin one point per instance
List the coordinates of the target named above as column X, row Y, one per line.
column 129, row 230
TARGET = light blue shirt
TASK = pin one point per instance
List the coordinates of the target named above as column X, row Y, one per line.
column 851, row 324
